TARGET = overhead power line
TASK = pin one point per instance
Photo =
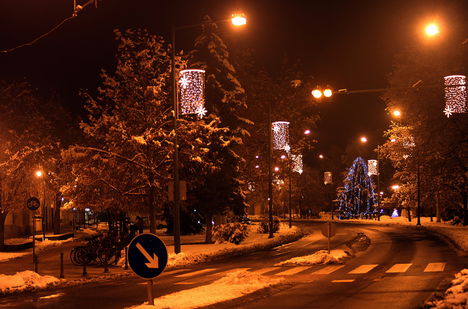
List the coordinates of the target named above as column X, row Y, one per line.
column 76, row 9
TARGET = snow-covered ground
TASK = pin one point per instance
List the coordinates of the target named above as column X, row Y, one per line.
column 40, row 246
column 25, row 280
column 456, row 297
column 231, row 286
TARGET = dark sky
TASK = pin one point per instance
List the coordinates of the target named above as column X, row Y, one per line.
column 344, row 43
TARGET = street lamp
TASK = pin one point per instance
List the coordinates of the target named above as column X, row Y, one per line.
column 431, row 29
column 396, row 113
column 363, row 139
column 236, row 20
column 40, row 174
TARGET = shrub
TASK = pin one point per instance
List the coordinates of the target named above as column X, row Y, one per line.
column 265, row 225
column 234, row 232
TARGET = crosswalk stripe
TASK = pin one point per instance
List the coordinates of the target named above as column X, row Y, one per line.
column 262, row 271
column 327, row 270
column 234, row 270
column 399, row 268
column 343, row 280
column 195, row 273
column 433, row 267
column 363, row 269
column 292, row 271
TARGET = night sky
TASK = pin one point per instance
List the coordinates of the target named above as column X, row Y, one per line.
column 346, row 44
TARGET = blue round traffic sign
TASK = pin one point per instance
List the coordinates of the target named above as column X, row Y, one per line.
column 147, row 255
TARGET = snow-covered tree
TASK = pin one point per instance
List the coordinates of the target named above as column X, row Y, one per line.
column 424, row 138
column 128, row 157
column 225, row 98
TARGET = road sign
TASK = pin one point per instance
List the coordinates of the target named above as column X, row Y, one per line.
column 147, row 255
column 329, row 229
column 33, row 203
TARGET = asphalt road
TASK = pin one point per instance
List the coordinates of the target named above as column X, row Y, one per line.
column 401, row 269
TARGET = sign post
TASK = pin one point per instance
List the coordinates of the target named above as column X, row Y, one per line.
column 147, row 257
column 33, row 204
column 329, row 230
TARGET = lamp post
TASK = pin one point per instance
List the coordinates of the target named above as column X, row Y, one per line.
column 237, row 20
column 270, row 176
column 40, row 174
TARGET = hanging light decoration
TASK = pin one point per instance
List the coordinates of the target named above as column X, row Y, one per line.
column 327, row 178
column 281, row 135
column 455, row 94
column 297, row 165
column 192, row 92
column 373, row 167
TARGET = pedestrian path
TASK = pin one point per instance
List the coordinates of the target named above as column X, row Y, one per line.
column 323, row 270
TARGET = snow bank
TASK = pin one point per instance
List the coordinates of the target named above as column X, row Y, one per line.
column 320, row 257
column 231, row 286
column 25, row 280
column 456, row 297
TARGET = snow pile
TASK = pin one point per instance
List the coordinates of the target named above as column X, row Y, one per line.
column 42, row 245
column 231, row 286
column 320, row 257
column 456, row 297
column 25, row 280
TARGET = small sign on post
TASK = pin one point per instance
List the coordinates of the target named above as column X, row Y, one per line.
column 147, row 257
column 329, row 230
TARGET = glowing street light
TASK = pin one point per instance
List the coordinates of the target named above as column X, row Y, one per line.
column 432, row 29
column 307, row 132
column 283, row 157
column 277, row 169
column 395, row 187
column 321, row 156
column 316, row 93
column 39, row 174
column 396, row 113
column 363, row 139
column 327, row 93
column 238, row 20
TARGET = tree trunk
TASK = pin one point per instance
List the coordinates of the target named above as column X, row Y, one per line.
column 152, row 207
column 437, row 206
column 209, row 229
column 2, row 229
column 58, row 204
column 465, row 209
column 409, row 212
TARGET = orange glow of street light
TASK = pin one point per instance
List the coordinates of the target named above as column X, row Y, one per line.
column 316, row 93
column 432, row 29
column 321, row 156
column 363, row 139
column 396, row 113
column 395, row 187
column 283, row 156
column 276, row 169
column 238, row 20
column 38, row 173
column 307, row 132
column 327, row 93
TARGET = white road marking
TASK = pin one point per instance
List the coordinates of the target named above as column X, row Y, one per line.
column 343, row 281
column 292, row 271
column 262, row 271
column 234, row 270
column 399, row 268
column 433, row 267
column 327, row 270
column 195, row 273
column 363, row 269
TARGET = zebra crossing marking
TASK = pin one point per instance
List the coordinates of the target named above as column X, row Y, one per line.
column 292, row 271
column 343, row 281
column 434, row 267
column 363, row 269
column 399, row 268
column 327, row 270
column 262, row 271
column 195, row 273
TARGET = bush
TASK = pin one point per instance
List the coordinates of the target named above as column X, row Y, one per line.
column 265, row 225
column 359, row 243
column 234, row 232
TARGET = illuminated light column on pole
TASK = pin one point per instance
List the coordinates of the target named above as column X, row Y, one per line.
column 40, row 174
column 281, row 135
column 455, row 94
column 236, row 20
column 192, row 88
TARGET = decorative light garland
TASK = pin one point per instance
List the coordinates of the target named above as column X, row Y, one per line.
column 192, row 92
column 280, row 130
column 297, row 164
column 455, row 94
column 373, row 167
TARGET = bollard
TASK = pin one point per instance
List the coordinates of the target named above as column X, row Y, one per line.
column 126, row 258
column 85, row 273
column 62, row 275
column 36, row 262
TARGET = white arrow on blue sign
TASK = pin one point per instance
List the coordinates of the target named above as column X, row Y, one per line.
column 147, row 255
